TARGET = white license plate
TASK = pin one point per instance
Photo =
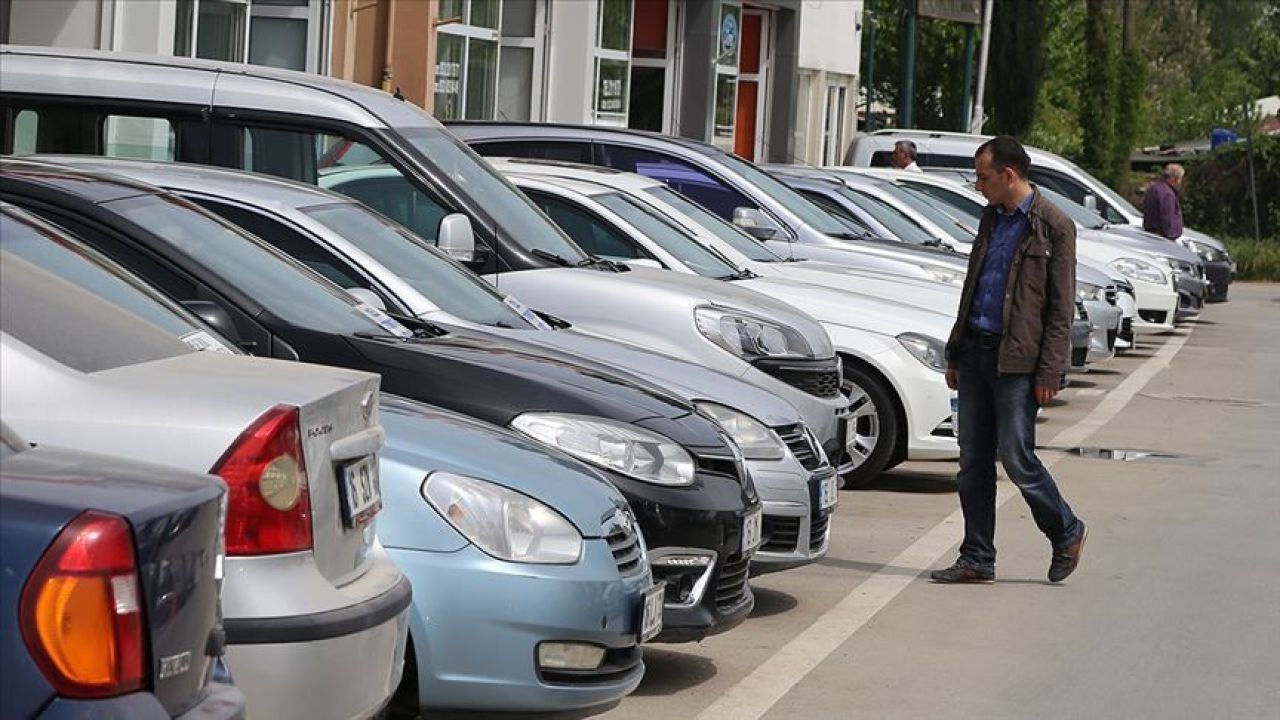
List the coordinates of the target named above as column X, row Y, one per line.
column 651, row 615
column 828, row 492
column 362, row 497
column 751, row 531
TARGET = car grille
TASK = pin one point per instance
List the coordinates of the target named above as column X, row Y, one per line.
column 802, row 446
column 731, row 585
column 780, row 533
column 624, row 543
column 617, row 664
column 818, row 532
column 816, row 377
column 1126, row 329
column 1111, row 293
column 1155, row 317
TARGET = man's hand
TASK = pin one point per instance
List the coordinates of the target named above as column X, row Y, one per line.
column 953, row 377
column 1044, row 393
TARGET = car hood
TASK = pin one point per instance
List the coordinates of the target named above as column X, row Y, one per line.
column 924, row 294
column 1130, row 237
column 870, row 314
column 422, row 439
column 496, row 379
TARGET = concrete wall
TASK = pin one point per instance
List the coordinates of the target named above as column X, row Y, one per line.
column 570, row 65
column 780, row 141
column 696, row 70
column 55, row 23
column 830, row 35
column 143, row 27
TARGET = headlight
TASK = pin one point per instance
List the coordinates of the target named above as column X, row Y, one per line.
column 1136, row 269
column 502, row 522
column 748, row 336
column 1179, row 267
column 642, row 454
column 930, row 351
column 944, row 275
column 756, row 441
column 1087, row 291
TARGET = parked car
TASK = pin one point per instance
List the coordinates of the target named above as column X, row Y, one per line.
column 682, row 476
column 308, row 590
column 480, row 515
column 110, row 604
column 302, row 127
column 892, row 352
column 955, row 150
column 399, row 273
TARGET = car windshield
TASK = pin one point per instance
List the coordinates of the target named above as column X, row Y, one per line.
column 967, row 209
column 666, row 235
column 286, row 289
column 925, row 207
column 897, row 222
column 1080, row 214
column 1110, row 195
column 799, row 205
column 713, row 224
column 518, row 219
column 438, row 278
column 105, row 318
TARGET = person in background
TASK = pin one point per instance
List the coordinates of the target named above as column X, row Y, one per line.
column 1008, row 347
column 904, row 156
column 1162, row 204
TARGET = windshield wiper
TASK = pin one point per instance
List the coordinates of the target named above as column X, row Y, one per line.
column 600, row 263
column 742, row 274
column 551, row 257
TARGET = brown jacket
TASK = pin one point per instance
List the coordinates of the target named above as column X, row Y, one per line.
column 1039, row 299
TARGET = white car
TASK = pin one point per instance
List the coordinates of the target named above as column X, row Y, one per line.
column 892, row 352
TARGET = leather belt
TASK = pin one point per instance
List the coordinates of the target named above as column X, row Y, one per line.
column 984, row 340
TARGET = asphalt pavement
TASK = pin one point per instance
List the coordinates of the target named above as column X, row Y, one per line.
column 1173, row 613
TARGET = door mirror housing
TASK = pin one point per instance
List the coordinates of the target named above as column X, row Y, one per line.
column 456, row 238
column 368, row 297
column 1091, row 202
column 755, row 223
column 216, row 317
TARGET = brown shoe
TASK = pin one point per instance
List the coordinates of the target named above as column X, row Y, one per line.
column 962, row 573
column 1067, row 557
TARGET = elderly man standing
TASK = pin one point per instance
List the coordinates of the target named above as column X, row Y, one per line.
column 1009, row 345
column 1162, row 206
column 904, row 156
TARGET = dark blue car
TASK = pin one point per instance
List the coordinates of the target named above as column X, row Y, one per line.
column 109, row 595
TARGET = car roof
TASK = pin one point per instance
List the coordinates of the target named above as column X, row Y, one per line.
column 498, row 130
column 608, row 177
column 94, row 186
column 580, row 187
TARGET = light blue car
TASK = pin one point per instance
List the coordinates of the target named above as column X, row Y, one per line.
column 531, row 580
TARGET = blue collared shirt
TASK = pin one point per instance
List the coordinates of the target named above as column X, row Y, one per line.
column 987, row 311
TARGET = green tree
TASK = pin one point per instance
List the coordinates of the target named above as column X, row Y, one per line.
column 1057, row 116
column 1015, row 67
column 1099, row 93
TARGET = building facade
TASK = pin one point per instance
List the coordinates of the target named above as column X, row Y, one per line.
column 827, row 98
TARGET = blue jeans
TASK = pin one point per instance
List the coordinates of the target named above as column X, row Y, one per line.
column 998, row 413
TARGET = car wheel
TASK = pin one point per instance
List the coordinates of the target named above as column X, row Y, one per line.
column 872, row 429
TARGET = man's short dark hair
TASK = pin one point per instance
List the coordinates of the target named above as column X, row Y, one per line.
column 1006, row 152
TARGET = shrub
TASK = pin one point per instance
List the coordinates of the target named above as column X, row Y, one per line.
column 1216, row 197
column 1256, row 259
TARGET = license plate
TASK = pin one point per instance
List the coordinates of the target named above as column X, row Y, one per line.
column 651, row 613
column 361, row 495
column 827, row 492
column 751, row 526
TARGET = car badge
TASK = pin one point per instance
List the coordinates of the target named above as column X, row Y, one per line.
column 623, row 520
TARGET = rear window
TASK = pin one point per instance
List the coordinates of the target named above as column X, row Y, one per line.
column 79, row 311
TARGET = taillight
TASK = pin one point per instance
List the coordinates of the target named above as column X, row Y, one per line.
column 81, row 610
column 269, row 510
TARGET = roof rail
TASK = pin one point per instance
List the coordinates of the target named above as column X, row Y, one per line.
column 931, row 133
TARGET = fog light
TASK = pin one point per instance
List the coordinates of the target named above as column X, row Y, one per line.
column 684, row 561
column 569, row 656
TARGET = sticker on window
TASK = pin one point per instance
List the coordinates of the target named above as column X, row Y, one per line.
column 526, row 312
column 385, row 321
column 201, row 340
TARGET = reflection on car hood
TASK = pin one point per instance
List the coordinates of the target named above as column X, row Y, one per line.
column 1135, row 238
column 874, row 315
column 904, row 290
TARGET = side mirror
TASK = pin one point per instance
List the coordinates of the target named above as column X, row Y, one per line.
column 644, row 262
column 216, row 317
column 1091, row 202
column 755, row 223
column 456, row 238
column 367, row 296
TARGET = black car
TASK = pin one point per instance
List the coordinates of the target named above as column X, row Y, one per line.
column 109, row 600
column 698, row 497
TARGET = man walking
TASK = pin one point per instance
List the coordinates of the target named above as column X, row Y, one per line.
column 904, row 156
column 1010, row 343
column 1162, row 206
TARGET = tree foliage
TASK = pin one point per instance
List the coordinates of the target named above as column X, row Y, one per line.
column 1015, row 66
column 1099, row 93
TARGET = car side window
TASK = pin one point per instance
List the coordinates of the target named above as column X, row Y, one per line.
column 400, row 201
column 588, row 231
column 831, row 206
column 103, row 130
column 578, row 152
column 692, row 182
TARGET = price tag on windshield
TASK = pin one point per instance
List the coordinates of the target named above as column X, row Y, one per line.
column 526, row 312
column 201, row 340
column 385, row 321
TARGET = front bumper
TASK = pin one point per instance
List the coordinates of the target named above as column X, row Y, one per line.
column 1157, row 306
column 1104, row 330
column 1080, row 330
column 1219, row 274
column 476, row 645
column 794, row 531
column 927, row 401
column 1191, row 295
column 824, row 415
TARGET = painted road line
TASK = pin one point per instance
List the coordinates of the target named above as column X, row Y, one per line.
column 752, row 696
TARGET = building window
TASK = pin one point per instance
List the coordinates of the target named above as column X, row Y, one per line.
column 833, row 125
column 613, row 62
column 728, row 45
column 467, row 59
column 278, row 33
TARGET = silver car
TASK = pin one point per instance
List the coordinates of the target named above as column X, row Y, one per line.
column 397, row 272
column 316, row 613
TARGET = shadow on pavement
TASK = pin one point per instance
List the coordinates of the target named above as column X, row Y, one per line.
column 771, row 602
column 867, row 567
column 942, row 480
column 1104, row 371
column 490, row 715
column 668, row 671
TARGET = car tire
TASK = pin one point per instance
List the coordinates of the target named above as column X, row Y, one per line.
column 875, row 422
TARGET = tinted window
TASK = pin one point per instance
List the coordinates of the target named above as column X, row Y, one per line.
column 291, row 293
column 899, row 223
column 924, row 205
column 444, row 282
column 587, row 230
column 831, row 206
column 713, row 224
column 808, row 213
column 969, row 209
column 686, row 179
column 566, row 151
column 668, row 236
column 394, row 197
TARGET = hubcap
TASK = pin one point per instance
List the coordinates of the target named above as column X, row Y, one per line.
column 862, row 432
